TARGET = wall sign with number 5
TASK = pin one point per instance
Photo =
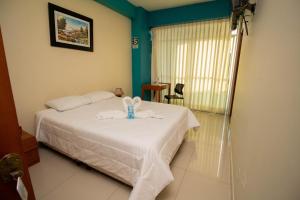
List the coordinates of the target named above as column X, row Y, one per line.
column 135, row 42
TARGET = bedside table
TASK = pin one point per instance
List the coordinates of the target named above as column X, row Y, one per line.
column 30, row 148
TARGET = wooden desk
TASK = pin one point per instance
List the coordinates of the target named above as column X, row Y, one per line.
column 157, row 88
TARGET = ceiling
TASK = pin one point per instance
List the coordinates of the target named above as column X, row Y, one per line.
column 151, row 5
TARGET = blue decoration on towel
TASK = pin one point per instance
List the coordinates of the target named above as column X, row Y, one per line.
column 130, row 112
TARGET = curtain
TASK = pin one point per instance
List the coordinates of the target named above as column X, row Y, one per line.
column 197, row 55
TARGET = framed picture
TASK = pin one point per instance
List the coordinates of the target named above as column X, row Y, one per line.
column 69, row 29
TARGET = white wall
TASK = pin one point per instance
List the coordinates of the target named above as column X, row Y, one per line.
column 40, row 72
column 266, row 114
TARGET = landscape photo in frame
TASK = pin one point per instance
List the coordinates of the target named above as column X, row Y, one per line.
column 69, row 29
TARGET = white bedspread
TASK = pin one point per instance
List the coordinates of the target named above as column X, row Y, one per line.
column 136, row 151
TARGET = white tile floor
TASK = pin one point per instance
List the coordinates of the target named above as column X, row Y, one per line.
column 201, row 169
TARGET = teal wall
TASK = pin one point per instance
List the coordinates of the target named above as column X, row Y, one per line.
column 121, row 6
column 142, row 21
column 141, row 57
column 195, row 12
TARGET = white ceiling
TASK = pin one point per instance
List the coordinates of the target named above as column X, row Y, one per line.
column 151, row 5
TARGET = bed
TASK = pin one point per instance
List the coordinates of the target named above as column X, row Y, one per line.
column 135, row 151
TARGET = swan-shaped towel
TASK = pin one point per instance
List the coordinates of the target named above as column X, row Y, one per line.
column 136, row 102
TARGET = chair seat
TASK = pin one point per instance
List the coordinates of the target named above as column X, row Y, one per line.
column 178, row 90
column 173, row 97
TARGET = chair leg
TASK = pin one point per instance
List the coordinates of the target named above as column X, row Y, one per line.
column 168, row 100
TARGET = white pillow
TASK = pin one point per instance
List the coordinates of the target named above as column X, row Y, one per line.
column 99, row 95
column 68, row 103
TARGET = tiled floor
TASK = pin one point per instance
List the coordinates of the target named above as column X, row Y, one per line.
column 201, row 169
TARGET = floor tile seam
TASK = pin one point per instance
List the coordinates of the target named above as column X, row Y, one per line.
column 179, row 167
column 189, row 160
column 57, row 186
column 185, row 170
column 180, row 185
column 192, row 171
column 115, row 191
column 208, row 177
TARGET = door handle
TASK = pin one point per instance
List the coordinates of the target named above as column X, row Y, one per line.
column 11, row 167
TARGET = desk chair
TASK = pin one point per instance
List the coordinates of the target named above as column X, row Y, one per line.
column 178, row 90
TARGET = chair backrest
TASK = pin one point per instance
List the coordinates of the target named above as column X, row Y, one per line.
column 178, row 88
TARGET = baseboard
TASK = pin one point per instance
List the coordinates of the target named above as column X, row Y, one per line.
column 232, row 176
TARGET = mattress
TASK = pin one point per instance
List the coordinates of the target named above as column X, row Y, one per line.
column 135, row 151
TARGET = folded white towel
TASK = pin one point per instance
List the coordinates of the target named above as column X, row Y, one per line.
column 148, row 114
column 113, row 114
column 118, row 114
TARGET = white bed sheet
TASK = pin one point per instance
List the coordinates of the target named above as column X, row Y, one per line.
column 137, row 152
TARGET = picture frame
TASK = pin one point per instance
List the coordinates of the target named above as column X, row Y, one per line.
column 69, row 29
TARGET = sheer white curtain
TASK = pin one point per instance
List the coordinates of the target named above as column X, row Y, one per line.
column 197, row 55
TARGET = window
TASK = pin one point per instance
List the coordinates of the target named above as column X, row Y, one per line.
column 197, row 55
